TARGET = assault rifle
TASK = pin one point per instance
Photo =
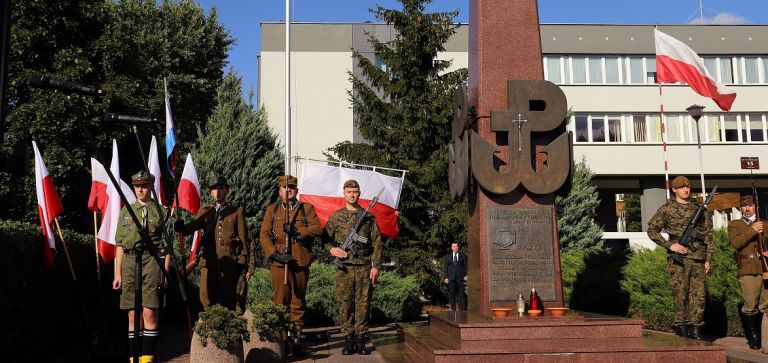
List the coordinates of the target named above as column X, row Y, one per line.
column 691, row 235
column 353, row 240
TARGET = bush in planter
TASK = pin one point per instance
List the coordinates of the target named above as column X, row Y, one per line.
column 270, row 320
column 647, row 282
column 222, row 326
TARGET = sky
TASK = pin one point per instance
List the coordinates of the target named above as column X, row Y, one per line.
column 242, row 17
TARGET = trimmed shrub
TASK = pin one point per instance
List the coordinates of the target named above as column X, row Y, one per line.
column 322, row 307
column 723, row 292
column 222, row 326
column 260, row 287
column 395, row 298
column 591, row 277
column 647, row 283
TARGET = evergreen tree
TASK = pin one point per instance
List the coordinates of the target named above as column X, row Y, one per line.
column 404, row 111
column 632, row 216
column 576, row 211
column 238, row 144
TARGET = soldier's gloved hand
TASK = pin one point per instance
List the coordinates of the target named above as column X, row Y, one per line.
column 283, row 258
column 178, row 226
column 289, row 229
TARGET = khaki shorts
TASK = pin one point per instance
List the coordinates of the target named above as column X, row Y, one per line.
column 150, row 291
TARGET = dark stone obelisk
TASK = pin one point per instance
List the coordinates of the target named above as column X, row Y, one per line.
column 512, row 236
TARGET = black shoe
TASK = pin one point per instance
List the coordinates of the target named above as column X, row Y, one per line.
column 681, row 330
column 362, row 344
column 695, row 332
column 747, row 322
column 349, row 345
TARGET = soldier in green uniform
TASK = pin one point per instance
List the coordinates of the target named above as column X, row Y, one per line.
column 744, row 236
column 687, row 281
column 126, row 238
column 354, row 283
column 226, row 251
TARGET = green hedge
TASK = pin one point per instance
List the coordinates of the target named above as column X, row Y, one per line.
column 394, row 298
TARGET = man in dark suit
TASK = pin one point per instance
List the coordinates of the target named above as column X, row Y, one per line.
column 455, row 272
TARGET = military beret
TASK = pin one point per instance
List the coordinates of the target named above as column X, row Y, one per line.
column 142, row 177
column 351, row 183
column 217, row 181
column 290, row 178
column 746, row 200
column 680, row 182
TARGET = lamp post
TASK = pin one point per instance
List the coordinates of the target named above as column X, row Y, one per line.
column 695, row 111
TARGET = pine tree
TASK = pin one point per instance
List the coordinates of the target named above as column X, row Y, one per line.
column 403, row 111
column 238, row 144
column 632, row 213
column 576, row 210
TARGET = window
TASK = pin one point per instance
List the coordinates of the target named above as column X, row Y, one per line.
column 654, row 128
column 726, row 71
column 553, row 70
column 614, row 128
column 730, row 127
column 710, row 63
column 380, row 63
column 595, row 70
column 673, row 128
column 638, row 124
column 755, row 123
column 582, row 132
column 635, row 70
column 765, row 69
column 579, row 69
column 598, row 129
column 612, row 70
column 713, row 123
column 751, row 73
column 650, row 74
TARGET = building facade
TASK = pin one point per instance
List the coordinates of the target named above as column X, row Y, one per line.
column 608, row 74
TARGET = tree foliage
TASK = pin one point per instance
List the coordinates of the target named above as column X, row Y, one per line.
column 238, row 144
column 403, row 111
column 125, row 48
column 632, row 216
column 576, row 211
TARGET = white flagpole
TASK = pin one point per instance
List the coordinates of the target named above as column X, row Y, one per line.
column 287, row 87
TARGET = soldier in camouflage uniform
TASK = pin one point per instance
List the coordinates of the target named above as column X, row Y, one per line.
column 126, row 238
column 744, row 235
column 354, row 283
column 687, row 281
column 226, row 250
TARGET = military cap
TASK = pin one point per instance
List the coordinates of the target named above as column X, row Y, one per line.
column 142, row 177
column 290, row 178
column 746, row 200
column 351, row 183
column 217, row 181
column 680, row 182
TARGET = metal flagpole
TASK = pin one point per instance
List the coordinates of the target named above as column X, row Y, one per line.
column 287, row 87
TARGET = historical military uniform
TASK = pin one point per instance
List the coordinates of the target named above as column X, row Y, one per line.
column 687, row 281
column 304, row 228
column 226, row 253
column 353, row 283
column 744, row 238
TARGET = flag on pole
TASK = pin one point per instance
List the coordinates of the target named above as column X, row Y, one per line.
column 111, row 214
column 677, row 62
column 48, row 205
column 171, row 153
column 98, row 199
column 189, row 198
column 154, row 169
column 322, row 186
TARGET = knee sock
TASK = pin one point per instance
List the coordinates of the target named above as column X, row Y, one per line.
column 149, row 342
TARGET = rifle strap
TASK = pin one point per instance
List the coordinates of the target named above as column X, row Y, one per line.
column 301, row 210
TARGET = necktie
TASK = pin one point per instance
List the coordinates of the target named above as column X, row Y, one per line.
column 455, row 257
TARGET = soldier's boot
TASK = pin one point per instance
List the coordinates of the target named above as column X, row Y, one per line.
column 695, row 332
column 296, row 349
column 681, row 330
column 349, row 345
column 363, row 344
column 757, row 328
column 747, row 322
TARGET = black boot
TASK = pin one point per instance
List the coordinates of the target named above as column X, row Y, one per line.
column 757, row 321
column 695, row 332
column 681, row 330
column 296, row 349
column 749, row 330
column 349, row 345
column 363, row 344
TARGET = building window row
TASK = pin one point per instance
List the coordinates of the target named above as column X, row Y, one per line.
column 614, row 69
column 681, row 128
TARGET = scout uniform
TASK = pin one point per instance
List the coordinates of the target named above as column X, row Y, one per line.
column 687, row 281
column 304, row 228
column 353, row 283
column 226, row 253
column 744, row 238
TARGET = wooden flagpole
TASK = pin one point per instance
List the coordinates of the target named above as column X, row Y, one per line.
column 66, row 251
column 96, row 245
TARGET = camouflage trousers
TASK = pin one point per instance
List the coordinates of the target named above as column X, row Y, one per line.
column 688, row 292
column 223, row 286
column 353, row 293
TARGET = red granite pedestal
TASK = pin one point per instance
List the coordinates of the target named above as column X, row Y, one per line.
column 584, row 337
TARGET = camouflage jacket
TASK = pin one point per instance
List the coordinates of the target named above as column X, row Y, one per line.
column 338, row 227
column 674, row 217
column 127, row 234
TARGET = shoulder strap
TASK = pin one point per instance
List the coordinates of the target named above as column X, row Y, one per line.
column 303, row 214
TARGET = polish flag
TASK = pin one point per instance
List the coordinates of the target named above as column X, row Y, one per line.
column 48, row 205
column 323, row 186
column 97, row 200
column 111, row 213
column 676, row 62
column 189, row 198
column 154, row 169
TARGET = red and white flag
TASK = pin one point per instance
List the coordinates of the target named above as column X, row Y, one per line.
column 48, row 205
column 677, row 62
column 189, row 198
column 111, row 213
column 97, row 200
column 154, row 169
column 323, row 186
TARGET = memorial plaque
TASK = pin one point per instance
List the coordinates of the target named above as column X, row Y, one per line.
column 520, row 252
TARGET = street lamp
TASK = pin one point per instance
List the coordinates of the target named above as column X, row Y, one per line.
column 695, row 111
